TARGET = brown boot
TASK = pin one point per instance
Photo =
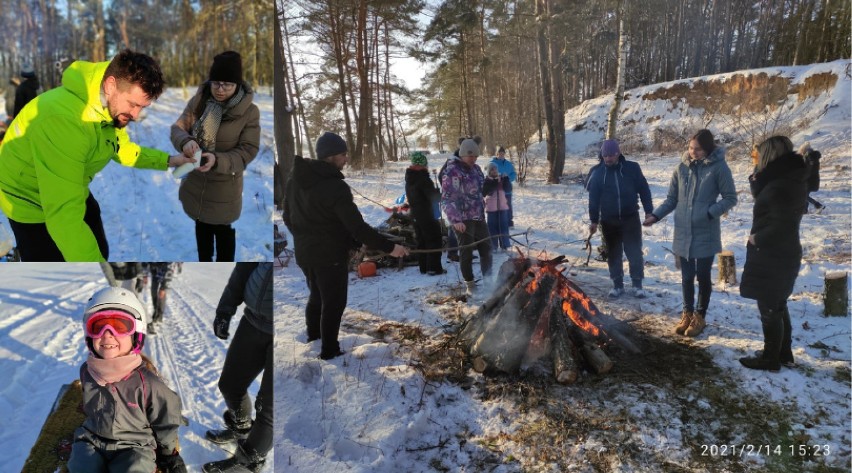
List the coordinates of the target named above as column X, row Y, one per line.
column 696, row 326
column 685, row 320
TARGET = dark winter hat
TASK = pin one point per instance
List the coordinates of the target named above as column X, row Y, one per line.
column 501, row 149
column 705, row 140
column 27, row 71
column 330, row 144
column 227, row 67
column 468, row 147
column 419, row 159
column 610, row 148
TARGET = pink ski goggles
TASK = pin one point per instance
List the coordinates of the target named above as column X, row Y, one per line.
column 116, row 321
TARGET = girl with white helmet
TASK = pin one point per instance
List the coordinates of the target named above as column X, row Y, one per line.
column 132, row 417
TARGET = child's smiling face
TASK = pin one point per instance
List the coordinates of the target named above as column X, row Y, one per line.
column 112, row 346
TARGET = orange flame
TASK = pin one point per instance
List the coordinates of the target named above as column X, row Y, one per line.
column 570, row 295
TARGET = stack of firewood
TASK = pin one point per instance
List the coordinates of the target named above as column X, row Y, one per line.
column 535, row 311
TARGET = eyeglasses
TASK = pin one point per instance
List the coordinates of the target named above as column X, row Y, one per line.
column 222, row 85
column 116, row 321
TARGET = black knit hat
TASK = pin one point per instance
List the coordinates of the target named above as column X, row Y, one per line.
column 227, row 67
column 330, row 144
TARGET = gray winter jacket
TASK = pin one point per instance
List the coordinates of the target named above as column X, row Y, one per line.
column 250, row 283
column 137, row 412
column 693, row 193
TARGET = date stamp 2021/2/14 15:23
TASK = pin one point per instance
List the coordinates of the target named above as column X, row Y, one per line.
column 751, row 450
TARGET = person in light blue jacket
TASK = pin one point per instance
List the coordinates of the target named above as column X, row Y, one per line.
column 694, row 197
column 506, row 168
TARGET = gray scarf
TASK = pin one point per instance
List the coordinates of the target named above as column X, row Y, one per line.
column 206, row 127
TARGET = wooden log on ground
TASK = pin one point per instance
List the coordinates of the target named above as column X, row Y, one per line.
column 596, row 358
column 565, row 367
column 505, row 337
column 836, row 296
column 727, row 268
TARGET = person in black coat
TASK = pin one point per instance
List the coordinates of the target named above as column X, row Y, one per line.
column 320, row 213
column 423, row 196
column 774, row 253
column 26, row 91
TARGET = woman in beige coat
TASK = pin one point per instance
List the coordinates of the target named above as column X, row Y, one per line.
column 222, row 122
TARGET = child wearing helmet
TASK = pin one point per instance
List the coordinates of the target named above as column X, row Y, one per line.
column 132, row 417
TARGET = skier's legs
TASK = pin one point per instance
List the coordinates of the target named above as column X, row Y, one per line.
column 155, row 286
column 422, row 258
column 243, row 363
column 260, row 437
column 204, row 240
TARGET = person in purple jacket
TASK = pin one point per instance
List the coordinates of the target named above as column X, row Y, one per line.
column 461, row 197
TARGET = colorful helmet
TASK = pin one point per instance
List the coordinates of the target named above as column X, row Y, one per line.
column 124, row 300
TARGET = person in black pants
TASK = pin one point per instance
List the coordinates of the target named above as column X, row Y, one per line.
column 774, row 250
column 320, row 213
column 423, row 197
column 615, row 186
column 249, row 354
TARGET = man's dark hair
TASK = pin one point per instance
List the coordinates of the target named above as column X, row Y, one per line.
column 139, row 69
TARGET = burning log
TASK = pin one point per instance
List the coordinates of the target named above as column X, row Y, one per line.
column 565, row 368
column 536, row 311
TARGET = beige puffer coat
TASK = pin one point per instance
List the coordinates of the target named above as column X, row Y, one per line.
column 216, row 197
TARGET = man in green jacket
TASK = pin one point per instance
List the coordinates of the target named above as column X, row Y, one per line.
column 60, row 140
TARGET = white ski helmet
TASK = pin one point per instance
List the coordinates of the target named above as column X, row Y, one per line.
column 120, row 299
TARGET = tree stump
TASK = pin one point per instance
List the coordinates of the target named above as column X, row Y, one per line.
column 836, row 296
column 727, row 268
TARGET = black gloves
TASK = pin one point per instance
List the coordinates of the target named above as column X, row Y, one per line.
column 220, row 325
column 171, row 463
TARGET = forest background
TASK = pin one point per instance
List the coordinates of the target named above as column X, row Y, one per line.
column 183, row 35
column 507, row 70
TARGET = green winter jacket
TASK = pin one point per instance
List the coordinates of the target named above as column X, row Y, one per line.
column 54, row 148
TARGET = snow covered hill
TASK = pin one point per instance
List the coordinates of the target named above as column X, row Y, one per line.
column 42, row 347
column 143, row 218
column 807, row 103
column 401, row 398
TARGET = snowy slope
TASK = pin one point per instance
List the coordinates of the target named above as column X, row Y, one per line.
column 822, row 119
column 143, row 218
column 382, row 408
column 42, row 347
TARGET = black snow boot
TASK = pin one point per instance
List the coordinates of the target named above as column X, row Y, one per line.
column 235, row 429
column 245, row 460
column 773, row 332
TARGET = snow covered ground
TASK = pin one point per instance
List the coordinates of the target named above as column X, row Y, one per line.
column 42, row 347
column 143, row 218
column 400, row 399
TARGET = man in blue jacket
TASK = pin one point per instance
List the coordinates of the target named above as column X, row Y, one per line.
column 615, row 185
